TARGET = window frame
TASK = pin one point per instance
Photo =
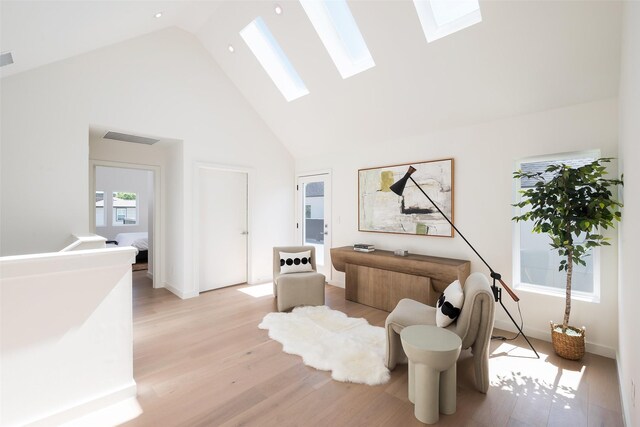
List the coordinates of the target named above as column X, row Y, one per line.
column 516, row 249
column 104, row 210
column 340, row 34
column 272, row 58
column 433, row 30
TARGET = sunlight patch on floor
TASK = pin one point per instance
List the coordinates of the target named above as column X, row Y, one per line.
column 258, row 291
column 543, row 378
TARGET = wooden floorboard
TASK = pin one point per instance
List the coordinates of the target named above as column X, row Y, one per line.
column 204, row 362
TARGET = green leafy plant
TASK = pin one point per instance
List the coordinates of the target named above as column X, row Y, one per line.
column 125, row 196
column 572, row 207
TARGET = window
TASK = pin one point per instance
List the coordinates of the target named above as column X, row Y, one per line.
column 439, row 18
column 535, row 262
column 100, row 212
column 336, row 27
column 125, row 208
column 273, row 59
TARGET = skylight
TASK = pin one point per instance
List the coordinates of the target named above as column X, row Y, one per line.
column 340, row 35
column 439, row 18
column 273, row 59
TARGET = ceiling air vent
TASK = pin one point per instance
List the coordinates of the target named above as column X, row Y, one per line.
column 6, row 58
column 130, row 138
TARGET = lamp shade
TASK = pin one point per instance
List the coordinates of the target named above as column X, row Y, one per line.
column 398, row 187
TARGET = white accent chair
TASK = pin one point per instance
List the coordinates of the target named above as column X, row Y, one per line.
column 473, row 326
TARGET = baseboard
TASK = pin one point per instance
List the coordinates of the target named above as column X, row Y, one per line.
column 86, row 407
column 335, row 283
column 179, row 292
column 545, row 335
column 626, row 415
column 149, row 275
column 261, row 281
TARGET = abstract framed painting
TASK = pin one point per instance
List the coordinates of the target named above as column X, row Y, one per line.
column 381, row 210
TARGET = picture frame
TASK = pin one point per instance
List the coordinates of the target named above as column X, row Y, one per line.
column 382, row 211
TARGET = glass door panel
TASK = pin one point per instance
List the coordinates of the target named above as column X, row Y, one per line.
column 313, row 224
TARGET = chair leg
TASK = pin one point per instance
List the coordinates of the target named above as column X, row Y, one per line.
column 393, row 348
column 481, row 368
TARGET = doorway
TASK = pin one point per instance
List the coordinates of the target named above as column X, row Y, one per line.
column 314, row 217
column 124, row 208
column 222, row 227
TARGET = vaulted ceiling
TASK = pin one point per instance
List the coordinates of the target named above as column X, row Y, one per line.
column 41, row 32
column 525, row 56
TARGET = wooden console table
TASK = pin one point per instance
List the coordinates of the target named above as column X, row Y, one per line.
column 380, row 279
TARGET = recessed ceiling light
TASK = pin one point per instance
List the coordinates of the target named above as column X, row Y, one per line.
column 278, row 9
column 231, row 48
column 158, row 15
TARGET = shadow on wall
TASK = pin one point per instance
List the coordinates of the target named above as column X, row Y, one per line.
column 40, row 311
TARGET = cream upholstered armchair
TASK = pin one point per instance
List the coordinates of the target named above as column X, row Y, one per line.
column 294, row 289
column 473, row 325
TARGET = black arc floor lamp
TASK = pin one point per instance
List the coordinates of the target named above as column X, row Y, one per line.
column 398, row 188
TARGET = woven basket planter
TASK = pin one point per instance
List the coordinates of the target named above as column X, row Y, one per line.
column 568, row 346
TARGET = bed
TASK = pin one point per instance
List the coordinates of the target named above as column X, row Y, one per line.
column 140, row 241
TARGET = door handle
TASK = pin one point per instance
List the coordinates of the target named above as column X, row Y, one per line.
column 244, row 233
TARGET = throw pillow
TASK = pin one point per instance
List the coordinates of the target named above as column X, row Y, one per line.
column 449, row 305
column 295, row 263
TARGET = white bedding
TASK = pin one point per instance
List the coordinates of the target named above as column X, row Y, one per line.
column 139, row 241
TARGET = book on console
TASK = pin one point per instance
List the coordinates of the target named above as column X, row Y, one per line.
column 364, row 249
column 364, row 246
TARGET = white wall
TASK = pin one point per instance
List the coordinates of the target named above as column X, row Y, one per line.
column 485, row 157
column 164, row 84
column 110, row 180
column 629, row 289
column 69, row 351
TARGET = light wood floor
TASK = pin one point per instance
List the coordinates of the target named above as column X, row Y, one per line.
column 204, row 362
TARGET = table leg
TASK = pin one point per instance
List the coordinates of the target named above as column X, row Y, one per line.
column 448, row 391
column 427, row 385
column 412, row 383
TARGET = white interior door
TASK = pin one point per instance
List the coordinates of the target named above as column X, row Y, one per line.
column 314, row 217
column 223, row 228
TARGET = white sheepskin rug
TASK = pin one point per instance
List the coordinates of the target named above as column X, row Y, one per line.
column 328, row 340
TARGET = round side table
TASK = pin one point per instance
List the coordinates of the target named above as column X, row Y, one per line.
column 432, row 354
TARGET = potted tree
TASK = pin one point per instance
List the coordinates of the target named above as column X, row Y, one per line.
column 571, row 205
